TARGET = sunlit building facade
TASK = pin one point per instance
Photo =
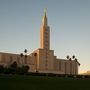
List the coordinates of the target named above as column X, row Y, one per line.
column 43, row 59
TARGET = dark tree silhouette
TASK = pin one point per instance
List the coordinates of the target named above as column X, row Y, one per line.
column 14, row 65
column 25, row 51
column 67, row 57
column 35, row 54
column 70, row 59
column 76, row 59
column 1, row 68
column 21, row 55
column 25, row 60
column 73, row 57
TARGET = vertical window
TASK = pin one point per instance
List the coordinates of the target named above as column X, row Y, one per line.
column 25, row 59
column 60, row 65
column 0, row 57
column 70, row 67
column 65, row 68
column 11, row 59
column 43, row 58
column 4, row 58
column 18, row 60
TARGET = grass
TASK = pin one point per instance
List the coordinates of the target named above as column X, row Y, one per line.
column 21, row 82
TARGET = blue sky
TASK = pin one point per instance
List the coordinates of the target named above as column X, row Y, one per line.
column 69, row 20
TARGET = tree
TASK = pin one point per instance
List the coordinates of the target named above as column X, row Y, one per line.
column 76, row 59
column 35, row 54
column 24, row 69
column 1, row 68
column 21, row 55
column 67, row 57
column 73, row 57
column 13, row 68
column 14, row 65
column 70, row 59
column 25, row 51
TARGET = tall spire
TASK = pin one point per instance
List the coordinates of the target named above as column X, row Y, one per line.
column 45, row 33
column 45, row 23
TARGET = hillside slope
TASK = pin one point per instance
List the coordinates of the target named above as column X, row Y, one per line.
column 86, row 73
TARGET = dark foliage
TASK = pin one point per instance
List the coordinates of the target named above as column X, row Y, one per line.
column 1, row 68
column 14, row 69
column 14, row 65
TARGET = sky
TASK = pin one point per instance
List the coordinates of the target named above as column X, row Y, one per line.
column 69, row 21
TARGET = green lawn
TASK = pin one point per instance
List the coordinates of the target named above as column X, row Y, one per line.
column 19, row 82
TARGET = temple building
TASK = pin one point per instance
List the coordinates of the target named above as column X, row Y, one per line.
column 43, row 59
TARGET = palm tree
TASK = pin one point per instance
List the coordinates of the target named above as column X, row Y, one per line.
column 70, row 59
column 35, row 54
column 25, row 51
column 14, row 65
column 21, row 57
column 73, row 57
column 67, row 57
column 76, row 59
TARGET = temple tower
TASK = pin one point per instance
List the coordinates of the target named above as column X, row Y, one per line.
column 45, row 33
